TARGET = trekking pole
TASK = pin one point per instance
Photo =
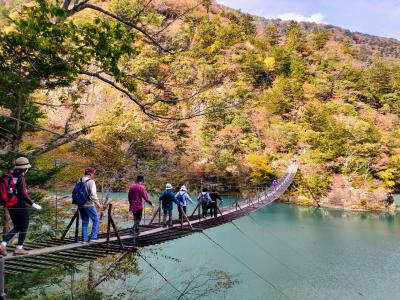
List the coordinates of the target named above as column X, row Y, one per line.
column 2, row 276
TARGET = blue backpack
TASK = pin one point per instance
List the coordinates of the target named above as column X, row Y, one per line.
column 181, row 198
column 80, row 195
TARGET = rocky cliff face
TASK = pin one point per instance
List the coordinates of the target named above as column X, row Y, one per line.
column 344, row 194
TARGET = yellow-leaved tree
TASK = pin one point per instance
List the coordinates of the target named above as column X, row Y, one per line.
column 260, row 168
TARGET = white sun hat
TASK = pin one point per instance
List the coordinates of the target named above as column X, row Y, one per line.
column 183, row 188
column 22, row 163
column 168, row 186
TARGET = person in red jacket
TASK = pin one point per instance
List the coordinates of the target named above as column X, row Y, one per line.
column 137, row 193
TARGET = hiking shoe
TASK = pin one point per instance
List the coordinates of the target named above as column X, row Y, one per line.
column 20, row 251
column 3, row 250
column 170, row 225
column 84, row 242
column 164, row 225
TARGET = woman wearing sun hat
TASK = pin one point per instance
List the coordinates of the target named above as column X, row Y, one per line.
column 19, row 212
column 183, row 196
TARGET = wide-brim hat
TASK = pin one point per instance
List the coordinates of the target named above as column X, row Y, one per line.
column 168, row 186
column 183, row 188
column 22, row 163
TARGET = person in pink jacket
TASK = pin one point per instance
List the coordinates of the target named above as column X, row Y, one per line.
column 137, row 193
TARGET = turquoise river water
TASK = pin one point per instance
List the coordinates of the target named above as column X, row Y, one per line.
column 280, row 252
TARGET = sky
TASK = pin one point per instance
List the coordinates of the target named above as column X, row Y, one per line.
column 377, row 17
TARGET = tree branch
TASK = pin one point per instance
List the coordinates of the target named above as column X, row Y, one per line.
column 62, row 140
column 177, row 18
column 83, row 5
column 141, row 11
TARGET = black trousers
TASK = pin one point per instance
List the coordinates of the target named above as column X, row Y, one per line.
column 213, row 208
column 204, row 208
column 20, row 219
column 180, row 212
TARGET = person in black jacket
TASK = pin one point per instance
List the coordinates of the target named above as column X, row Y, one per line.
column 214, row 202
column 19, row 212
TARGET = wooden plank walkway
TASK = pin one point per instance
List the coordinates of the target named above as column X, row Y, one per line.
column 55, row 252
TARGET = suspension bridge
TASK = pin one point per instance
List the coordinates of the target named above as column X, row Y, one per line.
column 66, row 250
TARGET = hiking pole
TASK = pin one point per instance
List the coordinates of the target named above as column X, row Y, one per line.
column 2, row 274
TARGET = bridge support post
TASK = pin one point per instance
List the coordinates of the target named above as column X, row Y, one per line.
column 158, row 212
column 76, row 216
column 2, row 279
column 110, row 222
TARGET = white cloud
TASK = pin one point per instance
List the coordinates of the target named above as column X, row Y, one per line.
column 315, row 18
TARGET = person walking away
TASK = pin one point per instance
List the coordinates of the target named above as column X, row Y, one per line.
column 14, row 196
column 274, row 183
column 167, row 199
column 204, row 199
column 183, row 196
column 85, row 196
column 214, row 203
column 137, row 192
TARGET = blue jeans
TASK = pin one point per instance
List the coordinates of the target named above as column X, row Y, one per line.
column 86, row 213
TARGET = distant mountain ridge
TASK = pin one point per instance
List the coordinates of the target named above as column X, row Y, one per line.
column 368, row 44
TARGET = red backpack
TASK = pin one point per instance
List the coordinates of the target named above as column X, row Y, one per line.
column 8, row 190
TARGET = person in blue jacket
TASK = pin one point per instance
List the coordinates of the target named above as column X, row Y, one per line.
column 167, row 199
column 183, row 197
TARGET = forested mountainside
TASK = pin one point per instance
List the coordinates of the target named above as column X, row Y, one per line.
column 214, row 97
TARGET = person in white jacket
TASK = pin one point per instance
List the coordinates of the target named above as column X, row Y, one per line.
column 183, row 197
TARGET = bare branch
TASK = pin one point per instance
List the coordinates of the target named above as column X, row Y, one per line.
column 61, row 140
column 177, row 18
column 83, row 5
column 154, row 115
column 141, row 11
column 117, row 87
column 63, row 105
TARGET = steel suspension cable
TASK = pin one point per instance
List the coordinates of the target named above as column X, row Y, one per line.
column 159, row 273
column 277, row 259
column 269, row 283
column 263, row 229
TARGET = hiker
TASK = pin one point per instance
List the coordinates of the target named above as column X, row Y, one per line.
column 274, row 183
column 15, row 197
column 389, row 199
column 183, row 196
column 167, row 199
column 214, row 202
column 137, row 192
column 204, row 199
column 85, row 196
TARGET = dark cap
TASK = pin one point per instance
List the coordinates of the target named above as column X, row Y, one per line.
column 140, row 178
